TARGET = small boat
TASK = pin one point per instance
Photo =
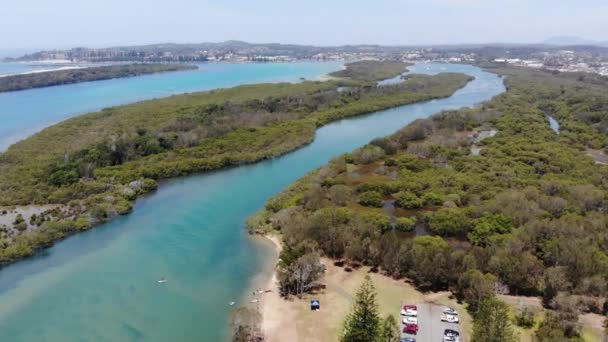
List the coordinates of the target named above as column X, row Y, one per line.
column 254, row 301
column 162, row 280
column 231, row 303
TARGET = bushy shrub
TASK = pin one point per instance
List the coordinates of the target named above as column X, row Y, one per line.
column 367, row 154
column 526, row 317
column 405, row 224
column 371, row 199
column 431, row 198
column 450, row 222
column 409, row 200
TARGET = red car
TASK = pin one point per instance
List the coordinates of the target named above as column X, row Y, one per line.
column 410, row 329
column 409, row 310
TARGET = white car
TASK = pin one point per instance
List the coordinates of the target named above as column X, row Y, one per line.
column 449, row 318
column 450, row 311
column 409, row 310
column 410, row 320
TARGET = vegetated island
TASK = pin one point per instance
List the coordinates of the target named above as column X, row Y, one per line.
column 483, row 202
column 92, row 167
column 371, row 70
column 78, row 75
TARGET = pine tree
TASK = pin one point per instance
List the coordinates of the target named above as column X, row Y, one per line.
column 390, row 330
column 492, row 322
column 363, row 324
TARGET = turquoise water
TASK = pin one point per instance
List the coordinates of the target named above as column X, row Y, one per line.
column 553, row 124
column 23, row 113
column 101, row 285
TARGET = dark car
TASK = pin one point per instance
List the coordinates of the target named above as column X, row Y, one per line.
column 451, row 333
column 410, row 329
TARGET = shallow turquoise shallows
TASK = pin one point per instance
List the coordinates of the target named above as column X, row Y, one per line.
column 25, row 112
column 102, row 285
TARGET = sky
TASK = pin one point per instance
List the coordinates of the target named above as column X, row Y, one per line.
column 33, row 24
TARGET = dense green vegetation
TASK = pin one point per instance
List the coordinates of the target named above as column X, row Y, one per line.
column 371, row 70
column 97, row 164
column 527, row 215
column 59, row 77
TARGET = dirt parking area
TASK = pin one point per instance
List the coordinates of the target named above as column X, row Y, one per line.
column 431, row 328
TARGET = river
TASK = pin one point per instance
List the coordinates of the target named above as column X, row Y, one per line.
column 101, row 285
column 26, row 112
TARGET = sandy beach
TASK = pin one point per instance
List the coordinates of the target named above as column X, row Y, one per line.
column 277, row 312
column 46, row 70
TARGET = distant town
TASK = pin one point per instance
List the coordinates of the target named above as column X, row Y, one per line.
column 578, row 58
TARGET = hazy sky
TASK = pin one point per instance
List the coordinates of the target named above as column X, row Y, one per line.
column 95, row 23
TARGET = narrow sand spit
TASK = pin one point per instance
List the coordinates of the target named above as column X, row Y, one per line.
column 278, row 315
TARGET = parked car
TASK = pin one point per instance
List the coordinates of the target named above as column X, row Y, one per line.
column 409, row 310
column 407, row 339
column 450, row 333
column 410, row 320
column 450, row 311
column 410, row 329
column 449, row 318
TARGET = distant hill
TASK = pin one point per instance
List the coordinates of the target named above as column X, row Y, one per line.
column 573, row 41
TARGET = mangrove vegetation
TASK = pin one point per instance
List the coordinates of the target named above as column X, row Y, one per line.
column 78, row 75
column 478, row 201
column 94, row 166
column 371, row 70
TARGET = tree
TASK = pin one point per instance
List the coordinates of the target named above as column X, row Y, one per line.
column 428, row 262
column 559, row 325
column 449, row 221
column 390, row 330
column 555, row 280
column 363, row 324
column 474, row 287
column 488, row 225
column 298, row 268
column 20, row 223
column 492, row 323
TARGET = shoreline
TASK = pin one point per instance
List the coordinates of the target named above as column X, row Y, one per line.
column 63, row 68
column 276, row 312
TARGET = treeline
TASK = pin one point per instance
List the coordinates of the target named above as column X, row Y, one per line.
column 60, row 77
column 372, row 70
column 526, row 215
column 102, row 161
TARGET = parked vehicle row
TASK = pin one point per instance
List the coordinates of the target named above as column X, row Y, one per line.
column 410, row 321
